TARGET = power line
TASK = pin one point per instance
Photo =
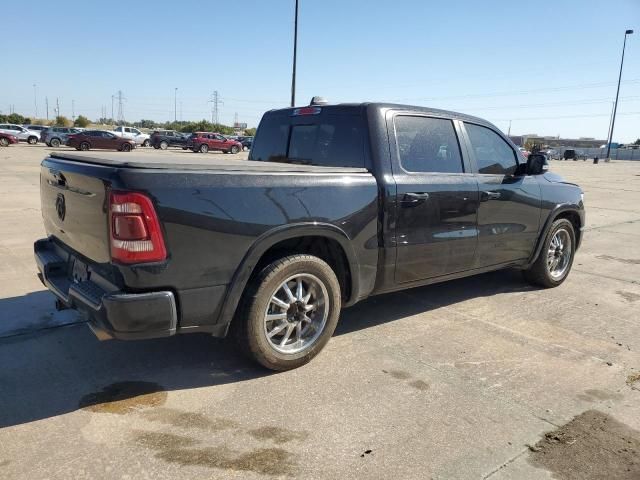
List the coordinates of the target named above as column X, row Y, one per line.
column 520, row 92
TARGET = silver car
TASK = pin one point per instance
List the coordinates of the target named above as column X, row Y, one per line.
column 23, row 134
column 56, row 136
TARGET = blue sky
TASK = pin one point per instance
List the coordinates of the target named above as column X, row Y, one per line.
column 549, row 66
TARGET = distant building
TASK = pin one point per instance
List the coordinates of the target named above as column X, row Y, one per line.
column 557, row 142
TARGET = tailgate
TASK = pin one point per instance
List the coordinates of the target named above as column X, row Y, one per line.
column 74, row 207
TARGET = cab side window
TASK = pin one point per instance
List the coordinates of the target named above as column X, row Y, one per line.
column 493, row 155
column 427, row 144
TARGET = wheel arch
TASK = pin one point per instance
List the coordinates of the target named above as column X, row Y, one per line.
column 326, row 241
column 571, row 212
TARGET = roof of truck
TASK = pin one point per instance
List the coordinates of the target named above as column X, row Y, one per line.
column 392, row 106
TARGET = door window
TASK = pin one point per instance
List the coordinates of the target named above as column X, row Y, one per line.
column 493, row 154
column 427, row 145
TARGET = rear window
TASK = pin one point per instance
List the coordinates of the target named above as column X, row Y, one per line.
column 335, row 140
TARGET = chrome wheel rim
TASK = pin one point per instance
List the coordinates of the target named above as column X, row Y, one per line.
column 559, row 253
column 296, row 314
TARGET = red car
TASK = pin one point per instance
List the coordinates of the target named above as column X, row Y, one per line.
column 7, row 139
column 204, row 141
column 99, row 139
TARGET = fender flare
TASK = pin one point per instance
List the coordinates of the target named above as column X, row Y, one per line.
column 268, row 239
column 553, row 215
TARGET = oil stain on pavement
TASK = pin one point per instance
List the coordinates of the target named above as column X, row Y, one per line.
column 124, row 397
column 591, row 446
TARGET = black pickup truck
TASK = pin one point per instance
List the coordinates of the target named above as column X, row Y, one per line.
column 336, row 203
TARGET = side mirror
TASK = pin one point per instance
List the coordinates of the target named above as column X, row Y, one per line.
column 536, row 164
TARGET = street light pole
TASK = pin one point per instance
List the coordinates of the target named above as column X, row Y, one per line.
column 615, row 105
column 175, row 105
column 295, row 53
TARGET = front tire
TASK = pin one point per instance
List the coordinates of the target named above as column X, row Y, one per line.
column 164, row 145
column 84, row 146
column 32, row 140
column 553, row 265
column 288, row 312
column 4, row 142
column 126, row 147
column 235, row 149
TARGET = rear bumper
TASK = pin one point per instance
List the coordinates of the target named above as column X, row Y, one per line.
column 110, row 313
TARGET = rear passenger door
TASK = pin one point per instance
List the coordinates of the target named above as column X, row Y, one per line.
column 509, row 211
column 436, row 198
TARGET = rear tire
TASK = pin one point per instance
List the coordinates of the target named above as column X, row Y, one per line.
column 55, row 142
column 306, row 317
column 145, row 143
column 203, row 148
column 125, row 147
column 553, row 265
column 164, row 145
column 157, row 147
column 32, row 140
column 84, row 146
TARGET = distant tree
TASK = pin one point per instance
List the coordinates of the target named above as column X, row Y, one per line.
column 61, row 121
column 250, row 132
column 81, row 121
column 147, row 124
column 17, row 119
column 637, row 142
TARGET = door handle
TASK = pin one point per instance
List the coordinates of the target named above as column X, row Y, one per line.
column 415, row 196
column 489, row 196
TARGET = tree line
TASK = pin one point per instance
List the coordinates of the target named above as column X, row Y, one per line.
column 84, row 122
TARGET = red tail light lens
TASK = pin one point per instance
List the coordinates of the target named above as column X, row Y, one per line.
column 134, row 229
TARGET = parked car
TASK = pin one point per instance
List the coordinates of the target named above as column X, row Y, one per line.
column 56, row 136
column 99, row 139
column 133, row 134
column 336, row 203
column 164, row 139
column 524, row 151
column 7, row 139
column 574, row 155
column 23, row 134
column 204, row 141
column 36, row 128
column 246, row 142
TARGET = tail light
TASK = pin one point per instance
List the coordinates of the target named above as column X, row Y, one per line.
column 134, row 229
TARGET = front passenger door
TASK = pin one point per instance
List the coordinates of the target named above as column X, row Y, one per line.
column 509, row 211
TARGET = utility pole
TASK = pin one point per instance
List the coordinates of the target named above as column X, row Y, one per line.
column 112, row 117
column 509, row 132
column 120, row 106
column 175, row 104
column 46, row 101
column 615, row 106
column 35, row 99
column 57, row 107
column 73, row 109
column 214, row 110
column 295, row 52
column 235, row 120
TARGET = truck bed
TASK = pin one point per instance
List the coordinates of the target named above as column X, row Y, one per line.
column 195, row 162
